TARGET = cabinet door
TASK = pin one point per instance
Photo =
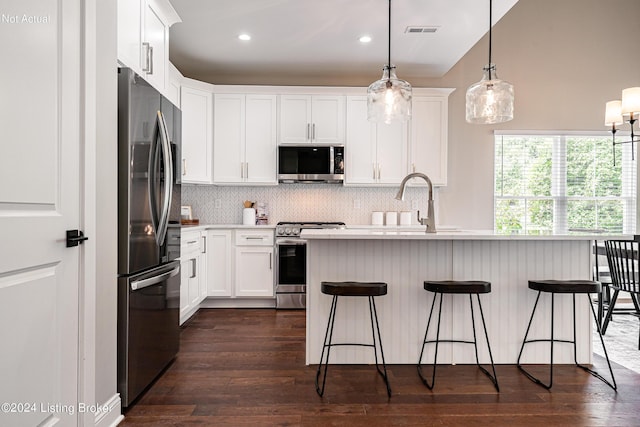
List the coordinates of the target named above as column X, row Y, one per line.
column 154, row 48
column 295, row 118
column 194, row 280
column 392, row 145
column 228, row 139
column 328, row 117
column 130, row 33
column 260, row 139
column 360, row 167
column 185, row 273
column 174, row 82
column 197, row 135
column 219, row 265
column 254, row 271
column 428, row 151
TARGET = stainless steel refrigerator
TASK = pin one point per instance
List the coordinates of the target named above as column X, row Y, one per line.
column 149, row 133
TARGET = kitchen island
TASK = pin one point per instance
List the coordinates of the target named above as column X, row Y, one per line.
column 404, row 259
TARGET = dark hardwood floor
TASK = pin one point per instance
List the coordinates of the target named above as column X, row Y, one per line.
column 246, row 368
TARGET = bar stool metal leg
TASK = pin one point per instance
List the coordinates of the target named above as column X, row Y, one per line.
column 494, row 378
column 574, row 343
column 425, row 342
column 373, row 313
column 326, row 345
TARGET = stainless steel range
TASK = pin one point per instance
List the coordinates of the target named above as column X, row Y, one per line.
column 291, row 262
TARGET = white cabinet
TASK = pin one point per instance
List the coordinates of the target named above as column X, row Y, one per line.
column 173, row 85
column 312, row 118
column 254, row 263
column 192, row 273
column 219, row 263
column 244, row 141
column 428, row 141
column 143, row 38
column 196, row 100
column 376, row 153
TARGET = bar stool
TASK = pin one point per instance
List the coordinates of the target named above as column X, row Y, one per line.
column 572, row 287
column 352, row 289
column 456, row 287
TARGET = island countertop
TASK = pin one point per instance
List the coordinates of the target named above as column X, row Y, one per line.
column 418, row 233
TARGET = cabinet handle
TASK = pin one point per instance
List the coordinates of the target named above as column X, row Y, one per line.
column 184, row 167
column 373, row 166
column 146, row 47
column 193, row 268
column 254, row 238
column 150, row 60
column 413, row 167
column 270, row 261
column 378, row 171
column 308, row 126
column 246, row 170
column 313, row 132
column 204, row 244
column 241, row 169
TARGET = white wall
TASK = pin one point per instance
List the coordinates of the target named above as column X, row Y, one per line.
column 566, row 58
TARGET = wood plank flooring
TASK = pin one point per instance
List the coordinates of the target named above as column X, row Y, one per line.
column 246, row 368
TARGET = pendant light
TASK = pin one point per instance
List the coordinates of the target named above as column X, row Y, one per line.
column 389, row 99
column 490, row 100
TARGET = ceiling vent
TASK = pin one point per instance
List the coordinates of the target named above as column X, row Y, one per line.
column 415, row 30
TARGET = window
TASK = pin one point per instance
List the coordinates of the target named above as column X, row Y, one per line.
column 562, row 182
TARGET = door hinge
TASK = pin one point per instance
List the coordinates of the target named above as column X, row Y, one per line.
column 75, row 238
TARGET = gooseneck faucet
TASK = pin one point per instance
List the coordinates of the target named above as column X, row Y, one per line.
column 430, row 220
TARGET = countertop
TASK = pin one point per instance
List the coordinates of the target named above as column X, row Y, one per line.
column 412, row 233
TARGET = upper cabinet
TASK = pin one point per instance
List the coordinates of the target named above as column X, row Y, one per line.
column 196, row 101
column 244, row 142
column 312, row 119
column 143, row 38
column 376, row 153
column 428, row 140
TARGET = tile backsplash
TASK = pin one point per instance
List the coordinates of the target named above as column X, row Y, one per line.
column 302, row 202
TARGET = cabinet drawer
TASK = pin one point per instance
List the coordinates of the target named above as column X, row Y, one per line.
column 254, row 237
column 190, row 242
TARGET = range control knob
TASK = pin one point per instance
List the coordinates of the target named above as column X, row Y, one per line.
column 296, row 231
column 287, row 231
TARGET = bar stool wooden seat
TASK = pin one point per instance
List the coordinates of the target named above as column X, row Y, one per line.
column 456, row 287
column 572, row 287
column 352, row 289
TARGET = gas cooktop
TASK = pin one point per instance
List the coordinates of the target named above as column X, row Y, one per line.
column 292, row 229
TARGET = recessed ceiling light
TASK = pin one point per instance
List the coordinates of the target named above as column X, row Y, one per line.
column 365, row 39
column 244, row 37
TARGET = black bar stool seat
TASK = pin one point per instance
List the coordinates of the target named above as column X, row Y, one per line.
column 469, row 287
column 352, row 289
column 572, row 287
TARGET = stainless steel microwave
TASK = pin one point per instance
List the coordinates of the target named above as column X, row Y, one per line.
column 311, row 163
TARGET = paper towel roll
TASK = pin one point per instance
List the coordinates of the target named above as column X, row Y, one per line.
column 249, row 216
column 377, row 218
column 405, row 218
column 392, row 218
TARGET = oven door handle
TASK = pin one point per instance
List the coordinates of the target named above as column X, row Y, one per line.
column 291, row 242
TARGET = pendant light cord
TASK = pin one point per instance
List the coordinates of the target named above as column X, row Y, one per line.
column 490, row 22
column 389, row 46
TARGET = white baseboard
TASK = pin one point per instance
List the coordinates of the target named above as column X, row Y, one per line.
column 113, row 415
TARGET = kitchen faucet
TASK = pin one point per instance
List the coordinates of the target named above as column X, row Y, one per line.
column 430, row 220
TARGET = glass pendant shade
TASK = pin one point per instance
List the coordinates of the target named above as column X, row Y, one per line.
column 389, row 99
column 490, row 100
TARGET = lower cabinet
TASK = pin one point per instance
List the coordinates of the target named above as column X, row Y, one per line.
column 254, row 271
column 219, row 259
column 193, row 273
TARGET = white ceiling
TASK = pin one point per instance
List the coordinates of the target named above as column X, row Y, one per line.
column 310, row 38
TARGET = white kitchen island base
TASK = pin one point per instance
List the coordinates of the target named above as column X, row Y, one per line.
column 405, row 260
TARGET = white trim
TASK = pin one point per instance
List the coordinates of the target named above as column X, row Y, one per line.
column 112, row 417
column 499, row 132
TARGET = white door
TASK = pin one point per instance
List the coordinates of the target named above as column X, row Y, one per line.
column 228, row 139
column 328, row 119
column 254, row 271
column 39, row 200
column 392, row 147
column 295, row 118
column 197, row 135
column 361, row 158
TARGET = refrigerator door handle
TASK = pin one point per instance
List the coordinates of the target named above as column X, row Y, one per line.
column 143, row 283
column 151, row 182
column 168, row 179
